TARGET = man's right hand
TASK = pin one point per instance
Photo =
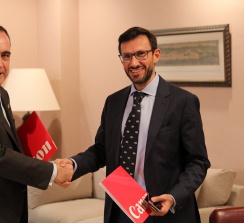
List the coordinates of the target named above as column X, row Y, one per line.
column 64, row 172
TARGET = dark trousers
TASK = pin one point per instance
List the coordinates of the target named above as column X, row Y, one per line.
column 24, row 217
column 119, row 216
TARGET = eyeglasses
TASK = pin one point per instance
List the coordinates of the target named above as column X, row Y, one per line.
column 139, row 55
column 5, row 56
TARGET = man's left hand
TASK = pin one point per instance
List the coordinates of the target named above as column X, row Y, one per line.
column 166, row 202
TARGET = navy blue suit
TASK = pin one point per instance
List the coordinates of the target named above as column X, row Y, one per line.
column 17, row 170
column 176, row 159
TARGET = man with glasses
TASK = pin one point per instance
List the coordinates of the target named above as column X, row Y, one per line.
column 16, row 169
column 171, row 158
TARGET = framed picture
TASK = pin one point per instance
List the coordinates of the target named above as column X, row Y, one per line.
column 195, row 56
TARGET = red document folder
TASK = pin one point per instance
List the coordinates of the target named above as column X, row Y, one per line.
column 127, row 194
column 35, row 139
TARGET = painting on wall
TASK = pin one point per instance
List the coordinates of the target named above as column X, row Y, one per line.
column 195, row 56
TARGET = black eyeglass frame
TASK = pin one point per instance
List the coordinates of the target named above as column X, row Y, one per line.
column 135, row 55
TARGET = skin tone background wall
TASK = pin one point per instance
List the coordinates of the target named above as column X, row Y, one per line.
column 76, row 42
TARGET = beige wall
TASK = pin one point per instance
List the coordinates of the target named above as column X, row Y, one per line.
column 76, row 42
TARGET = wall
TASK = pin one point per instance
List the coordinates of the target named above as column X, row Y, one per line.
column 17, row 17
column 76, row 42
column 58, row 43
column 222, row 109
column 45, row 34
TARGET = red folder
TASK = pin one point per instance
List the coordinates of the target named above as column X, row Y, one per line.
column 35, row 139
column 127, row 194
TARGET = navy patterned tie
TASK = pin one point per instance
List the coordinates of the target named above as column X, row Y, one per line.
column 130, row 136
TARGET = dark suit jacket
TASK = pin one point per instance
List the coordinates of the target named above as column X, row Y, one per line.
column 176, row 159
column 17, row 170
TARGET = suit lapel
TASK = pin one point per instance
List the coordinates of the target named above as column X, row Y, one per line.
column 9, row 129
column 159, row 110
column 117, row 115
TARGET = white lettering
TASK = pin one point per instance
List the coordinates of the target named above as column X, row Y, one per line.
column 48, row 145
column 40, row 154
column 137, row 210
column 140, row 209
column 132, row 209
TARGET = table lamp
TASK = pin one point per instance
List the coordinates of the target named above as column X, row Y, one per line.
column 30, row 90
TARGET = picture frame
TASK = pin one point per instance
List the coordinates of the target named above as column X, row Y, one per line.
column 195, row 56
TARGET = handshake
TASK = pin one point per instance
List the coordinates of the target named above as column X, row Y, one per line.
column 65, row 172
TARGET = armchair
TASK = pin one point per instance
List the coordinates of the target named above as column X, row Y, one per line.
column 227, row 215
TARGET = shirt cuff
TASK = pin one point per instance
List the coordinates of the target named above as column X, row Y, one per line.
column 74, row 164
column 172, row 209
column 54, row 174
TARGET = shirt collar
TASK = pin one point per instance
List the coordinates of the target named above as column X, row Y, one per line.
column 150, row 89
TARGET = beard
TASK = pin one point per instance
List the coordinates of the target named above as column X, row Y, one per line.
column 145, row 78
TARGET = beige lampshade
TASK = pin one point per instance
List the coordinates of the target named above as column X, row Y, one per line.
column 30, row 90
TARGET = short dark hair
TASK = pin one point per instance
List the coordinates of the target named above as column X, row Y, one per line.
column 5, row 31
column 134, row 32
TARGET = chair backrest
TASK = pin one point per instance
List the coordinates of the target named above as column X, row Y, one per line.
column 227, row 215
